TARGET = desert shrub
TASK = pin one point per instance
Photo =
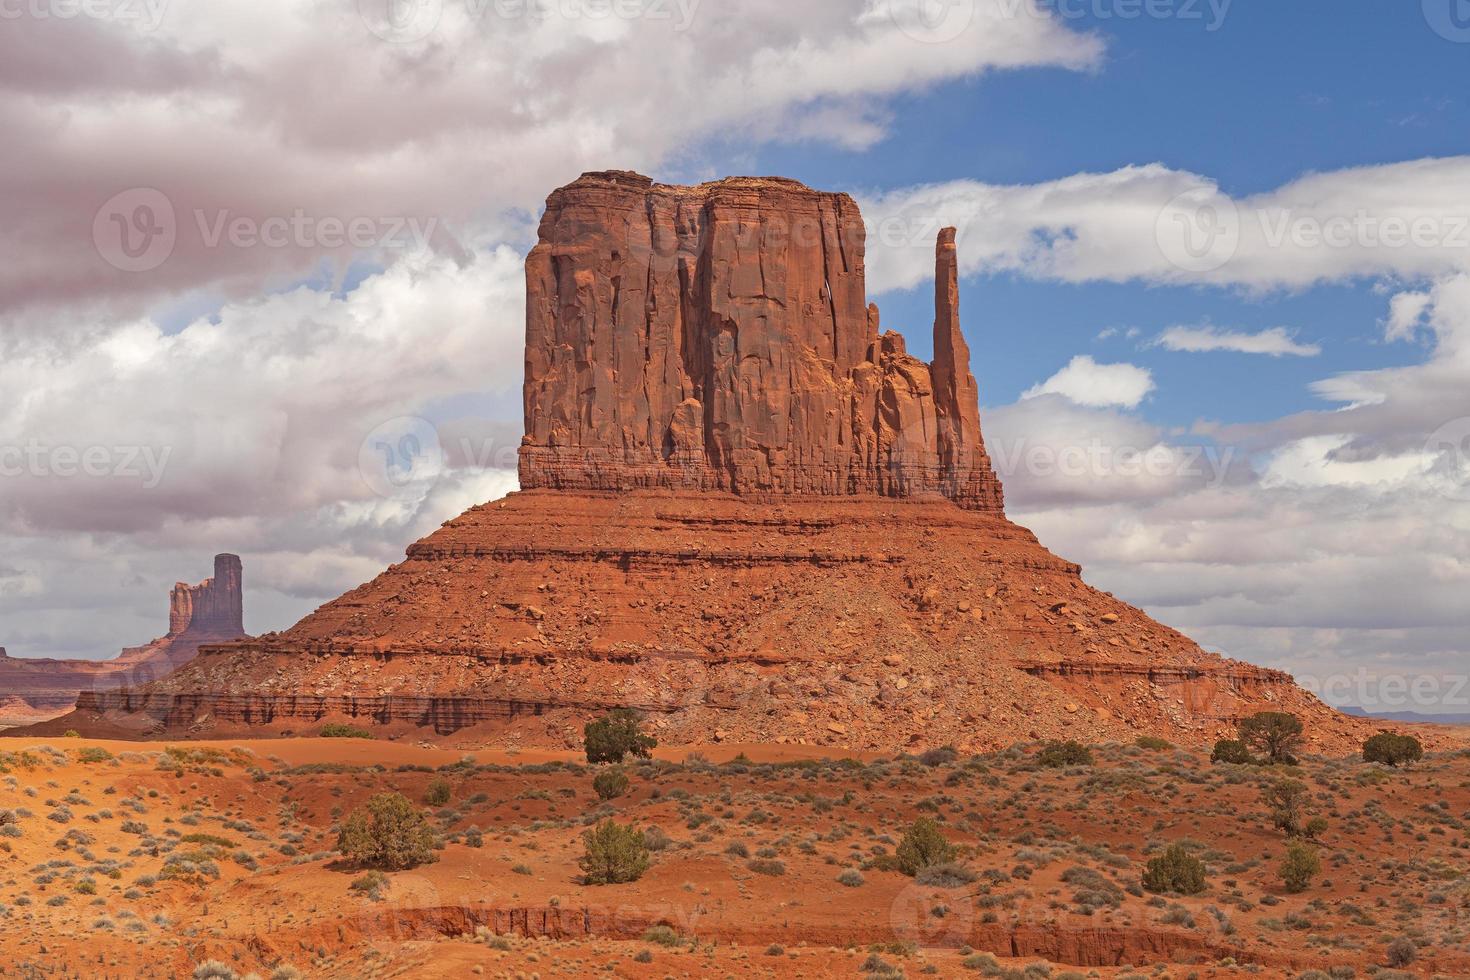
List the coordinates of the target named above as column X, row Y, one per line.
column 1287, row 801
column 767, row 866
column 616, row 736
column 1061, row 755
column 1153, row 743
column 93, row 754
column 1176, row 870
column 923, row 846
column 371, row 884
column 71, row 733
column 1301, row 864
column 946, row 875
column 438, row 792
column 1392, row 750
column 737, row 848
column 339, row 730
column 941, row 756
column 851, row 878
column 214, row 970
column 1274, row 734
column 614, row 854
column 610, row 784
column 1233, row 751
column 1402, row 952
column 285, row 973
column 1315, row 828
column 663, row 936
column 387, row 832
column 655, row 839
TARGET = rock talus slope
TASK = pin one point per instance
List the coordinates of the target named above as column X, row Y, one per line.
column 745, row 511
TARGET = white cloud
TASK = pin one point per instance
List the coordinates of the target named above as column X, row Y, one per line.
column 1275, row 342
column 1087, row 382
column 1405, row 315
column 1157, row 225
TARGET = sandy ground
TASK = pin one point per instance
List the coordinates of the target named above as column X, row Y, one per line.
column 130, row 859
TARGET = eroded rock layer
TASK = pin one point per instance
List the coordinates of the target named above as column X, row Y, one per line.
column 870, row 623
column 211, row 612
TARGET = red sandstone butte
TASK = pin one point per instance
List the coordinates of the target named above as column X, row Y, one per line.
column 745, row 512
column 211, row 612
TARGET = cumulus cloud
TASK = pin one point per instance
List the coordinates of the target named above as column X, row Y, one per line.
column 1087, row 382
column 1275, row 342
column 1154, row 224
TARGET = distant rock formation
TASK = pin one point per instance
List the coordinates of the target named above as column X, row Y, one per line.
column 718, row 338
column 746, row 512
column 32, row 689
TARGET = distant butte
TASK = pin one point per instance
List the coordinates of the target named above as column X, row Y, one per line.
column 210, row 612
column 745, row 511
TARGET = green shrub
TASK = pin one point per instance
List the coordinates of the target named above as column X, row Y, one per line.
column 339, row 730
column 610, row 784
column 851, row 878
column 616, row 736
column 1401, row 953
column 1287, row 800
column 1274, row 734
column 1062, row 755
column 1392, row 750
column 93, row 754
column 1153, row 743
column 371, row 884
column 1301, row 864
column 1176, row 870
column 387, row 832
column 923, row 847
column 767, row 866
column 1233, row 751
column 614, row 855
column 438, row 793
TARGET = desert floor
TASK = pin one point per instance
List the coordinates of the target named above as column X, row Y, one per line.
column 147, row 859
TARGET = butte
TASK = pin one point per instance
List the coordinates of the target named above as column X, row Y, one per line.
column 745, row 511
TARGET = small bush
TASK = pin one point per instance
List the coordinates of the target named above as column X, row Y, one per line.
column 438, row 793
column 945, row 875
column 923, row 847
column 1153, row 743
column 663, row 936
column 1063, row 755
column 1301, row 864
column 1232, row 751
column 339, row 730
column 1392, row 750
column 1176, row 870
column 616, row 736
column 851, row 878
column 610, row 784
column 372, row 884
column 388, row 832
column 941, row 756
column 614, row 854
column 1287, row 800
column 767, row 866
column 214, row 970
column 1401, row 953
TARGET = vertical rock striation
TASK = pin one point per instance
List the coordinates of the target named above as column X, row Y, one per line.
column 718, row 338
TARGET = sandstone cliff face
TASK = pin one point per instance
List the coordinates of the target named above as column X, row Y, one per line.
column 747, row 512
column 718, row 338
column 211, row 612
